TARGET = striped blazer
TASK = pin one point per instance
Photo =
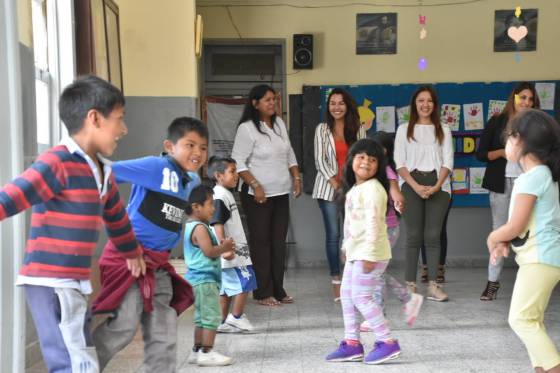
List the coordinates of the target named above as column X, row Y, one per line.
column 325, row 161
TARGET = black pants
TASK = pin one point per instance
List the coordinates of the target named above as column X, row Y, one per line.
column 268, row 226
column 443, row 237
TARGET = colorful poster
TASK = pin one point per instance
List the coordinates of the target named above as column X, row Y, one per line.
column 451, row 116
column 367, row 116
column 403, row 114
column 495, row 107
column 546, row 95
column 474, row 119
column 476, row 174
column 385, row 118
column 460, row 181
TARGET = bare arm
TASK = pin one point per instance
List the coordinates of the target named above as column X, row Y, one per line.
column 396, row 195
column 522, row 210
column 201, row 238
column 294, row 171
column 495, row 154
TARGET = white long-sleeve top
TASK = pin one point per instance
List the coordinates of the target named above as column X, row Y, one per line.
column 267, row 156
column 424, row 153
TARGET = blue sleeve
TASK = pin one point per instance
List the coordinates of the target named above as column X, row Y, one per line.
column 146, row 172
column 194, row 182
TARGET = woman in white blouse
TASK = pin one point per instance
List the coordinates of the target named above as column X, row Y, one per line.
column 424, row 160
column 267, row 165
column 332, row 141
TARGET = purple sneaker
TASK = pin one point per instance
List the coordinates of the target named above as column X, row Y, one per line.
column 382, row 352
column 345, row 352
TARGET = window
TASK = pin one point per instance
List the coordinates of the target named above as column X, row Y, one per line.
column 53, row 48
column 42, row 74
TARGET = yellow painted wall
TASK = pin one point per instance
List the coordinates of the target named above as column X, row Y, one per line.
column 459, row 46
column 157, row 42
column 25, row 25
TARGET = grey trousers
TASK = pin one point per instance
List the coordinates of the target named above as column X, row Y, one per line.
column 499, row 205
column 159, row 328
column 423, row 219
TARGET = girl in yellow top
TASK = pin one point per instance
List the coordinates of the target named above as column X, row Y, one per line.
column 367, row 253
column 533, row 230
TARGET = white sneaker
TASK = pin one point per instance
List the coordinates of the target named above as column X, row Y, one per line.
column 412, row 308
column 193, row 357
column 213, row 359
column 240, row 323
column 227, row 328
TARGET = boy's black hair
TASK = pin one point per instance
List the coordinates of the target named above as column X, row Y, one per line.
column 183, row 125
column 84, row 94
column 540, row 136
column 219, row 165
column 199, row 195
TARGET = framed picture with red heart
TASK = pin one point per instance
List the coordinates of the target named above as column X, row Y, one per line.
column 515, row 30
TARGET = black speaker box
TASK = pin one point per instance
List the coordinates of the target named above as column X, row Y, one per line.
column 303, row 51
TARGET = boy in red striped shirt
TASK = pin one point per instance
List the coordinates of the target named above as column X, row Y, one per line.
column 73, row 193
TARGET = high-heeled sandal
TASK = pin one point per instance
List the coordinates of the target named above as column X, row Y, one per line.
column 336, row 289
column 440, row 279
column 491, row 291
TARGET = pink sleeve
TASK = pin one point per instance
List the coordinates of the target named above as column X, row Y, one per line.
column 391, row 175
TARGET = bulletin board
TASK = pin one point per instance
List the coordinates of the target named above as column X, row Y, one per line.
column 466, row 107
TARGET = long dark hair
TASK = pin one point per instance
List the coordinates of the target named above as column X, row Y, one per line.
column 509, row 109
column 373, row 149
column 250, row 112
column 351, row 118
column 434, row 117
column 540, row 136
column 387, row 141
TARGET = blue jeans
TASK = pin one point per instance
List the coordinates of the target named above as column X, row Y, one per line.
column 332, row 218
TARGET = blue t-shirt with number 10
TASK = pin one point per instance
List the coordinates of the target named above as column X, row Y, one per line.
column 156, row 207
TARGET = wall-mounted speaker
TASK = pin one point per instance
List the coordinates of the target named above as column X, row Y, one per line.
column 303, row 51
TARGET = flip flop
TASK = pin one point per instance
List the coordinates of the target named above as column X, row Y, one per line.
column 287, row 299
column 270, row 302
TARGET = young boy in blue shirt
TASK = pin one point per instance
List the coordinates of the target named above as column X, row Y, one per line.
column 160, row 189
column 202, row 256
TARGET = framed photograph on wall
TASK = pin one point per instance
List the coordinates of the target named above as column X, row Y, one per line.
column 376, row 33
column 508, row 27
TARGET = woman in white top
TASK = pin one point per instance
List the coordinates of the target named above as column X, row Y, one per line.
column 267, row 165
column 331, row 144
column 424, row 160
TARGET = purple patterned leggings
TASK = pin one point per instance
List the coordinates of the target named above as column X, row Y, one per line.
column 357, row 292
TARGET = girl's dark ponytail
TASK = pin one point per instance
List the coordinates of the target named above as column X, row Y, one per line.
column 540, row 135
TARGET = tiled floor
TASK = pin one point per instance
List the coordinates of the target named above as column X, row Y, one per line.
column 463, row 335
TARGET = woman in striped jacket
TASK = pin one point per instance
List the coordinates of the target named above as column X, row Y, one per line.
column 332, row 141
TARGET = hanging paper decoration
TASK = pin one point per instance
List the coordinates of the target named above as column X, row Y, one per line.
column 517, row 33
column 422, row 64
column 423, row 33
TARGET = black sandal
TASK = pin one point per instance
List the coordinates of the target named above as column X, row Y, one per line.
column 491, row 291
